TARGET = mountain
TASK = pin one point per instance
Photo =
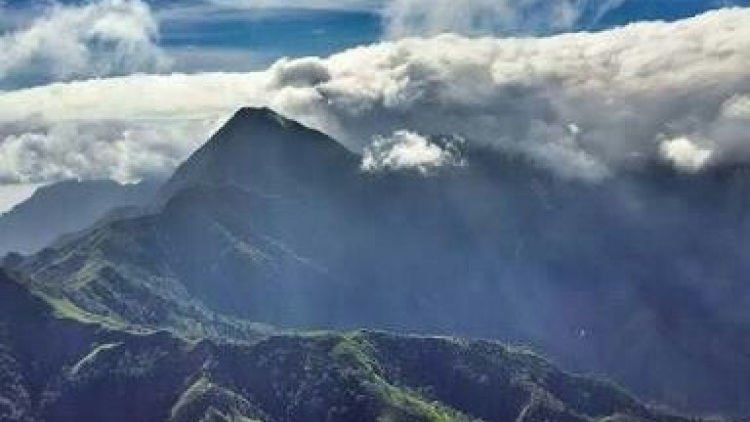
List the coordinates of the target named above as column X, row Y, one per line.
column 262, row 151
column 65, row 207
column 57, row 367
column 640, row 277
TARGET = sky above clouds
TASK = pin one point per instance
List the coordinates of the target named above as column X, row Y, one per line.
column 126, row 89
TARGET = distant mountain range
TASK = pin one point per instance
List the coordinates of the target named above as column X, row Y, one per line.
column 64, row 208
column 641, row 278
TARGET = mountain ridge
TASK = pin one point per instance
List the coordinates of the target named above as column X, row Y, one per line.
column 32, row 224
column 59, row 368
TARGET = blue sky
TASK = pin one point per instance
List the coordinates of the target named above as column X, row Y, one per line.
column 266, row 36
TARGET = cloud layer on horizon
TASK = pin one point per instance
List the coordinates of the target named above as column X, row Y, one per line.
column 584, row 105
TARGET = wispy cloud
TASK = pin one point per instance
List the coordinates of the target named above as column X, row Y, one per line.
column 490, row 17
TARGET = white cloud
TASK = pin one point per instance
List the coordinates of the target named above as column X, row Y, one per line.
column 623, row 90
column 409, row 150
column 685, row 154
column 96, row 39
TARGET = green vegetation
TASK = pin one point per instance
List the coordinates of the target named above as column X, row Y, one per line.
column 58, row 363
column 355, row 353
column 63, row 308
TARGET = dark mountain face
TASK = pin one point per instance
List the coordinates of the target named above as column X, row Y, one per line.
column 64, row 208
column 260, row 151
column 60, row 368
column 640, row 277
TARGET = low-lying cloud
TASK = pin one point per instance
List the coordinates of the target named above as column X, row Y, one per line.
column 583, row 105
column 685, row 154
column 407, row 150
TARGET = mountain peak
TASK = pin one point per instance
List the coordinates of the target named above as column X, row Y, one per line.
column 264, row 125
column 259, row 113
column 259, row 149
column 251, row 121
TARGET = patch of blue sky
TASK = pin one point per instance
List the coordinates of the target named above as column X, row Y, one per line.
column 648, row 10
column 281, row 32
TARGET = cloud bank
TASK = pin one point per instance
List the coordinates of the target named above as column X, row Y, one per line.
column 108, row 37
column 583, row 105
